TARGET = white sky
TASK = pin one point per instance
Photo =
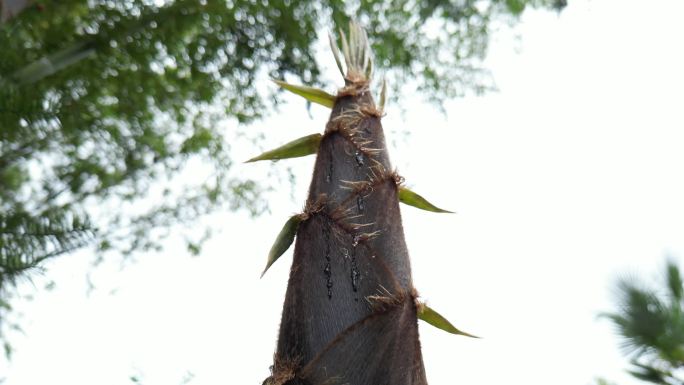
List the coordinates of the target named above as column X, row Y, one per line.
column 566, row 178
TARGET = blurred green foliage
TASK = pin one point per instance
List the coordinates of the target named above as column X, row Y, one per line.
column 104, row 103
column 650, row 321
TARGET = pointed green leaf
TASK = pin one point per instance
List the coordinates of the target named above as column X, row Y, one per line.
column 311, row 94
column 283, row 241
column 435, row 319
column 674, row 281
column 410, row 198
column 299, row 147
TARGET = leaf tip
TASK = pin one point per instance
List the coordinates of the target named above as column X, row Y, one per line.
column 435, row 319
column 410, row 198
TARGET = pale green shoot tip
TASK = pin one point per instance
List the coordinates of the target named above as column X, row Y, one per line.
column 345, row 49
column 336, row 52
column 357, row 53
column 383, row 96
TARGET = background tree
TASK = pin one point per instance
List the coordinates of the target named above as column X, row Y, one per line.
column 104, row 103
column 650, row 321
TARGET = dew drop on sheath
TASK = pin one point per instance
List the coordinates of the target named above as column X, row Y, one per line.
column 359, row 158
column 327, row 270
column 355, row 242
column 328, row 175
column 328, row 276
column 355, row 275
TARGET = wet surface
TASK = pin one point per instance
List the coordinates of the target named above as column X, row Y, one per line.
column 355, row 274
column 327, row 270
column 328, row 175
column 359, row 158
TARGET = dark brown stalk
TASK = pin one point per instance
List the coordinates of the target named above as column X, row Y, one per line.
column 350, row 310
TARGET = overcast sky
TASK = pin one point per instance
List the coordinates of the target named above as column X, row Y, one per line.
column 568, row 177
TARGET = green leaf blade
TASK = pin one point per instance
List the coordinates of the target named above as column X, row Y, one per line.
column 410, row 198
column 311, row 94
column 283, row 241
column 435, row 319
column 304, row 146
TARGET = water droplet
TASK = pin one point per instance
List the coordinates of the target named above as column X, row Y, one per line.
column 359, row 157
column 355, row 279
column 360, row 203
column 355, row 275
column 356, row 240
column 328, row 176
column 329, row 283
column 327, row 270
